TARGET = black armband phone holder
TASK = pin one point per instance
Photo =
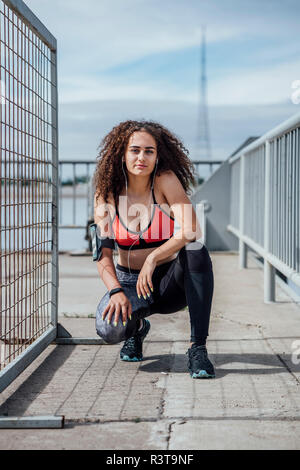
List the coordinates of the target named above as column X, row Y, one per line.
column 99, row 242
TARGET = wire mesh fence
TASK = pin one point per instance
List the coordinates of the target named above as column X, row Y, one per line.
column 28, row 142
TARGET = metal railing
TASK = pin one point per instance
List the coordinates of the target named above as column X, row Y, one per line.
column 74, row 190
column 29, row 155
column 265, row 202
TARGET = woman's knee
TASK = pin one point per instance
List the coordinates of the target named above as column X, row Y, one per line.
column 196, row 257
column 109, row 333
column 113, row 334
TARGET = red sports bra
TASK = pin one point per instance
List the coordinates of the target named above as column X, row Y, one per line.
column 159, row 230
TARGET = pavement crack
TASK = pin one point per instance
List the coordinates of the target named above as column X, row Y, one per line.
column 237, row 322
column 261, row 331
column 161, row 407
column 263, row 417
column 130, row 386
column 162, row 402
column 280, row 358
column 169, row 433
column 102, row 386
column 288, row 368
column 78, row 381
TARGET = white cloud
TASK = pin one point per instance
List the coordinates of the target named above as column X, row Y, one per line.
column 266, row 85
column 87, row 88
column 99, row 35
column 95, row 36
column 108, row 33
column 259, row 86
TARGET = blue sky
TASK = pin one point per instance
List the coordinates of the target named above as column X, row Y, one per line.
column 134, row 59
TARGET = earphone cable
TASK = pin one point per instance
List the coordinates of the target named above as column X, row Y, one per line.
column 126, row 202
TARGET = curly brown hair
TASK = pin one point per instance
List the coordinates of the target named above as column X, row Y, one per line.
column 109, row 177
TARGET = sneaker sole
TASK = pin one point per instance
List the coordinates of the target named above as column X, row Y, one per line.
column 135, row 359
column 202, row 374
column 130, row 359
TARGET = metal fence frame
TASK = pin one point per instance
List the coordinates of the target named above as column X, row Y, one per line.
column 262, row 239
column 17, row 365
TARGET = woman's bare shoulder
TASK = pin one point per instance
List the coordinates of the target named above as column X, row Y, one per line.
column 168, row 180
column 163, row 186
column 161, row 178
column 109, row 205
column 171, row 188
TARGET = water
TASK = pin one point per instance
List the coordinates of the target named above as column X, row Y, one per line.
column 26, row 220
column 70, row 239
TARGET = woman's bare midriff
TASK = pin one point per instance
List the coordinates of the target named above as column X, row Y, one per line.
column 137, row 258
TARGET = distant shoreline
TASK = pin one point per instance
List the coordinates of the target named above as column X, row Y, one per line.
column 82, row 191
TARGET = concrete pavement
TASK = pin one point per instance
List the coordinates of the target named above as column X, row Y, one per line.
column 253, row 403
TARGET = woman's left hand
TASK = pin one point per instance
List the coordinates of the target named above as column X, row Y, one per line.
column 144, row 282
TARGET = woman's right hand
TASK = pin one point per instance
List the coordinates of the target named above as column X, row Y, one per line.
column 121, row 305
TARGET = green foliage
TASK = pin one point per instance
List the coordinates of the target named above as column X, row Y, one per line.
column 78, row 179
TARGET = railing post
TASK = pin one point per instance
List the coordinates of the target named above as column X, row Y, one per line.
column 242, row 245
column 55, row 181
column 269, row 270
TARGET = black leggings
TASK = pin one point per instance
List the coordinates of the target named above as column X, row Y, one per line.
column 187, row 280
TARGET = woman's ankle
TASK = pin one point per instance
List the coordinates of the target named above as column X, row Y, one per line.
column 201, row 342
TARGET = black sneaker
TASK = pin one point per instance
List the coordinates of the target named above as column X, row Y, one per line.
column 199, row 365
column 132, row 349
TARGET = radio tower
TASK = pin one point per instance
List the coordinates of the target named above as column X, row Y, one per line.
column 203, row 137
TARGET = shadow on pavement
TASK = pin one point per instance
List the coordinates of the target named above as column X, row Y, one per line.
column 177, row 363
